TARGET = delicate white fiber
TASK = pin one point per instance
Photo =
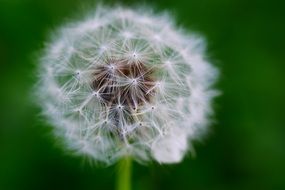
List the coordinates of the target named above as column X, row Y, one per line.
column 126, row 82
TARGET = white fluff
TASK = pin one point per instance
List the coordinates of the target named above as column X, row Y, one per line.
column 162, row 128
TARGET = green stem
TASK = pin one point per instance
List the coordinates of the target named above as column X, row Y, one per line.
column 124, row 174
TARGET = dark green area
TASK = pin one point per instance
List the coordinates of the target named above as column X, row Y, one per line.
column 246, row 147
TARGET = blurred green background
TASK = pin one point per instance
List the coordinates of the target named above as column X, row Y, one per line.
column 246, row 146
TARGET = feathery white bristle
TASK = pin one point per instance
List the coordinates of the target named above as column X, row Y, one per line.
column 126, row 82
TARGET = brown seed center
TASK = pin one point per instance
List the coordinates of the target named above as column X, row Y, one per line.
column 122, row 83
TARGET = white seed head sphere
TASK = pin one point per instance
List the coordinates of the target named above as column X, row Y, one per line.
column 126, row 82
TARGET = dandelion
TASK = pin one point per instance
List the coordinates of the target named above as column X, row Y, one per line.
column 126, row 82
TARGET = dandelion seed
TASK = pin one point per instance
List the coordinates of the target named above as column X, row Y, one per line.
column 126, row 82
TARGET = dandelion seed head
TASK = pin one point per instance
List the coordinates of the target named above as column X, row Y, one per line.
column 126, row 82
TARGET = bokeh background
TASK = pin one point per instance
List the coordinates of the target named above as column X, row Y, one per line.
column 246, row 146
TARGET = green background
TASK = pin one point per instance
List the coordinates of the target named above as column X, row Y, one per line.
column 246, row 146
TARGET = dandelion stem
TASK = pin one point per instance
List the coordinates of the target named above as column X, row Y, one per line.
column 124, row 174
